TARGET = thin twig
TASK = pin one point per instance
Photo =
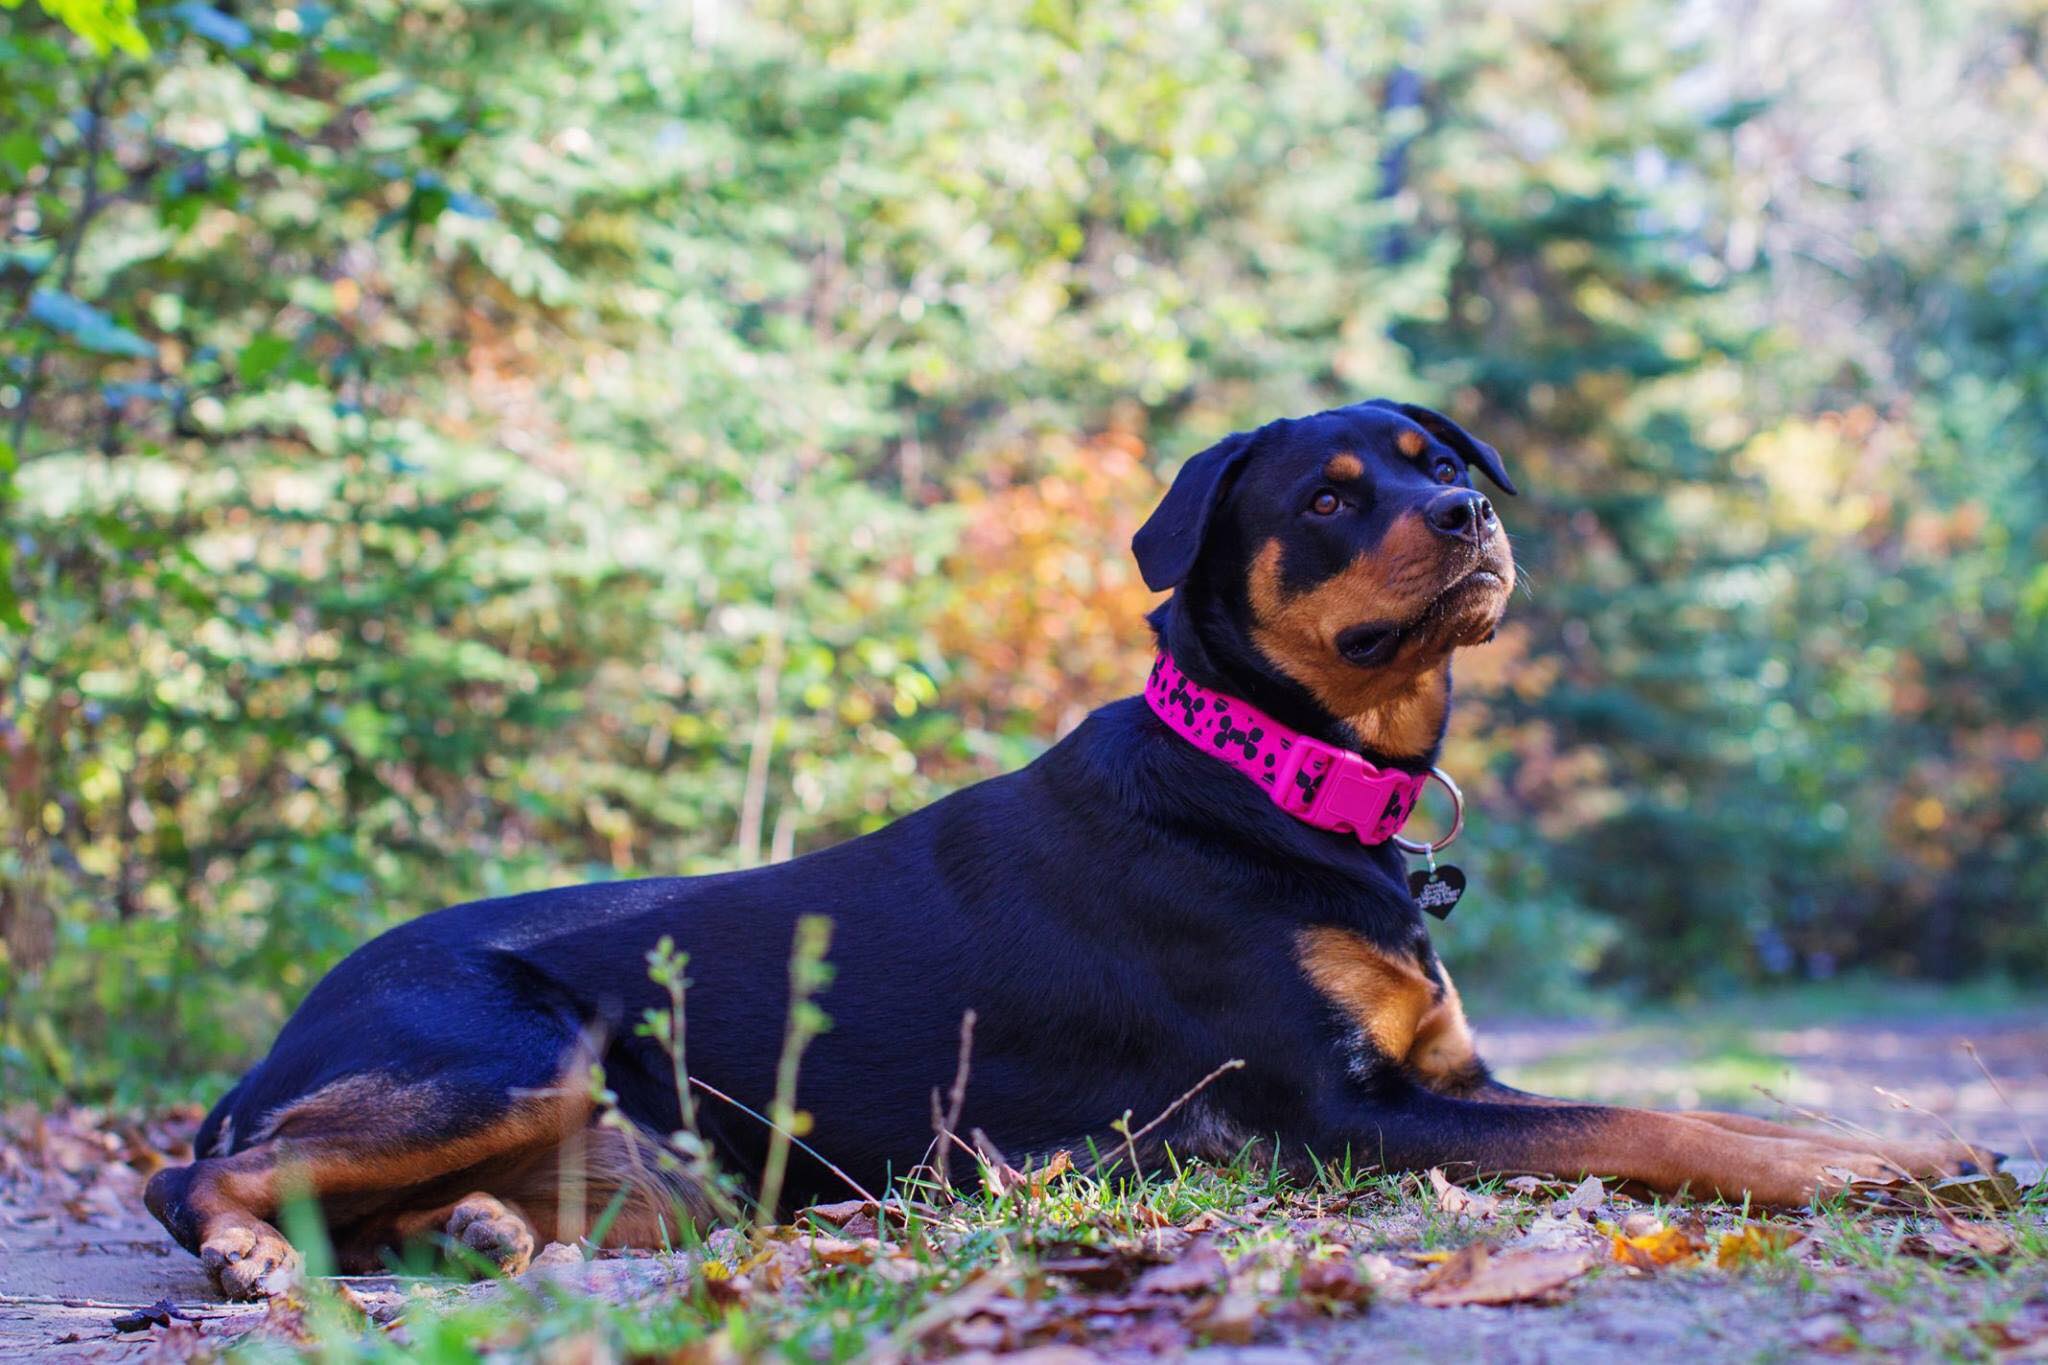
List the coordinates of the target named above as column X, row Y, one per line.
column 1999, row 1090
column 1131, row 1139
column 1866, row 1135
column 796, row 1141
column 947, row 1124
column 1234, row 1064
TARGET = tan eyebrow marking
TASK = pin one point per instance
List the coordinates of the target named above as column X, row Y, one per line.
column 1411, row 443
column 1344, row 465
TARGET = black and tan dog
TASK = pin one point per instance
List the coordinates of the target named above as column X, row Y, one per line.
column 1122, row 915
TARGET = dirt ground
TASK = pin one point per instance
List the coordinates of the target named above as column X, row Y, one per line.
column 75, row 1253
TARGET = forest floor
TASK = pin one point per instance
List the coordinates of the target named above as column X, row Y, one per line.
column 1232, row 1265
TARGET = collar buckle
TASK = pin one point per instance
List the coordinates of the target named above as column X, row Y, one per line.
column 1349, row 794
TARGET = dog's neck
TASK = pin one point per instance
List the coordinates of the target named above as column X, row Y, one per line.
column 1399, row 725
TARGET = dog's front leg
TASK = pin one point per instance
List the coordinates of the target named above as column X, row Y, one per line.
column 1926, row 1160
column 1412, row 1128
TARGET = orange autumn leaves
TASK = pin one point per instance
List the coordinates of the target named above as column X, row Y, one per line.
column 1047, row 620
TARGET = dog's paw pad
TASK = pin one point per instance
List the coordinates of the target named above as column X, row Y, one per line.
column 491, row 1230
column 249, row 1261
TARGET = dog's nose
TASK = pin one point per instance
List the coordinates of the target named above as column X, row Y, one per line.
column 1462, row 512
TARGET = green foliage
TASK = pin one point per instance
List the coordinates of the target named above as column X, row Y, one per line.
column 446, row 450
column 104, row 24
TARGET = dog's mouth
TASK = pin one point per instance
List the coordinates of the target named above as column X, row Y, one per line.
column 1374, row 643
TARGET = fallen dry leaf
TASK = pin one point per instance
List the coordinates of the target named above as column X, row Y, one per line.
column 1830, row 1333
column 159, row 1314
column 179, row 1342
column 2024, row 1328
column 1151, row 1217
column 1246, row 1214
column 1955, row 1240
column 1754, row 1243
column 1092, row 1267
column 1588, row 1196
column 1333, row 1281
column 1475, row 1275
column 999, row 1177
column 1460, row 1202
column 1058, row 1164
column 840, row 1250
column 1991, row 1190
column 1199, row 1268
column 840, row 1214
column 1655, row 1247
column 1230, row 1319
column 1560, row 1231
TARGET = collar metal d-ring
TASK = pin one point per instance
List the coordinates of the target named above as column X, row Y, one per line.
column 1457, row 819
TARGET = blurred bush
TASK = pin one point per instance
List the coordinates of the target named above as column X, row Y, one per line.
column 448, row 449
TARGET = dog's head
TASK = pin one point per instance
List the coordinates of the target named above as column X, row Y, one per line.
column 1326, row 567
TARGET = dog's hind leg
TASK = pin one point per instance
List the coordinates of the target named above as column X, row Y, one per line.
column 365, row 1149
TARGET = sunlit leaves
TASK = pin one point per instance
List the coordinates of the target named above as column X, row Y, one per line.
column 106, row 25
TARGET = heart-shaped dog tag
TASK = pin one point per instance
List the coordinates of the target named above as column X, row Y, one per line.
column 1438, row 889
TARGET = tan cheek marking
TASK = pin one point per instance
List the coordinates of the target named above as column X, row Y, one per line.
column 1411, row 443
column 1343, row 465
column 1386, row 997
column 1398, row 712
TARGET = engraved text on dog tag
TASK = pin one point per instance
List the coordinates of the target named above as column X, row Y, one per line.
column 1437, row 889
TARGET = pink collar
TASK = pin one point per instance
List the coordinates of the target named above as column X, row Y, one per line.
column 1316, row 783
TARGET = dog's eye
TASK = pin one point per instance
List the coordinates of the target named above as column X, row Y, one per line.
column 1326, row 503
column 1445, row 472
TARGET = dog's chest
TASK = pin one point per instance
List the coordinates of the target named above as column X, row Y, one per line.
column 1400, row 1012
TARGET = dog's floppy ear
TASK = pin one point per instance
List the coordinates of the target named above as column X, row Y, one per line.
column 1166, row 545
column 1474, row 450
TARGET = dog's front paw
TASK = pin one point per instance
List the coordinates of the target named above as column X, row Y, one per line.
column 249, row 1261
column 493, row 1231
column 1939, row 1160
column 1831, row 1171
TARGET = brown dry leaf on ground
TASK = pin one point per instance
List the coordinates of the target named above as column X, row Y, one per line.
column 1199, row 1268
column 839, row 1215
column 1987, row 1192
column 999, row 1177
column 80, row 1165
column 159, row 1314
column 1654, row 1247
column 1244, row 1216
column 178, row 1343
column 1955, row 1240
column 1588, row 1196
column 1567, row 1224
column 1829, row 1333
column 1755, row 1243
column 1161, row 1313
column 1457, row 1201
column 841, row 1250
column 1477, row 1275
column 1231, row 1319
column 2027, row 1327
column 1333, row 1282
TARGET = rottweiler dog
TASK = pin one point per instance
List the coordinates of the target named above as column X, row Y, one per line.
column 1122, row 916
